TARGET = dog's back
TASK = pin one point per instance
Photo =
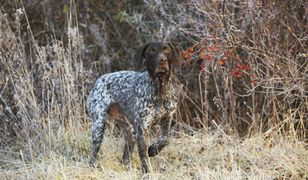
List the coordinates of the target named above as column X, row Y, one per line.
column 123, row 88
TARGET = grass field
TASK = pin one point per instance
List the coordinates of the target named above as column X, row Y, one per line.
column 201, row 155
column 243, row 115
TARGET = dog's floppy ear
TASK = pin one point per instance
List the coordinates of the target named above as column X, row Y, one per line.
column 139, row 57
column 176, row 55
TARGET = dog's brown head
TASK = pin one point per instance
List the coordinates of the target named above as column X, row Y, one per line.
column 160, row 59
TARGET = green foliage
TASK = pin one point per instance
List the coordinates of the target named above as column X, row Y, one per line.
column 65, row 8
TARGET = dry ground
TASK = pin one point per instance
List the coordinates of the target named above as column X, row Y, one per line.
column 203, row 155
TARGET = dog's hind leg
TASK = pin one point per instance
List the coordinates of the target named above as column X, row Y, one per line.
column 98, row 129
column 130, row 141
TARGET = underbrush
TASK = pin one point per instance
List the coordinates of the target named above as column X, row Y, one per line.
column 201, row 155
column 243, row 111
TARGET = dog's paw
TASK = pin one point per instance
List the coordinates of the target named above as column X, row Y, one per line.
column 152, row 151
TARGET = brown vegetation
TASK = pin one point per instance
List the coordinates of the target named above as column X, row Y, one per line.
column 244, row 77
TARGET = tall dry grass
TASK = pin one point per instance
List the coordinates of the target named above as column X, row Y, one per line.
column 44, row 92
column 226, row 127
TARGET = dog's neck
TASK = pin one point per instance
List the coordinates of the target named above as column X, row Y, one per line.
column 162, row 83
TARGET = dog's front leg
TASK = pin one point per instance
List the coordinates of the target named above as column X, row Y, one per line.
column 162, row 141
column 142, row 149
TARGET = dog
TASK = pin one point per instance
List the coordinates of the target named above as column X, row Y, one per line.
column 139, row 99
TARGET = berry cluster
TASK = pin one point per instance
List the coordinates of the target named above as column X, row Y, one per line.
column 215, row 53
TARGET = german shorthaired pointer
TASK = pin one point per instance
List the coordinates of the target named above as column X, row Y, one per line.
column 139, row 99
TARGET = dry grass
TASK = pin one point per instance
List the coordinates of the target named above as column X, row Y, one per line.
column 204, row 155
column 45, row 132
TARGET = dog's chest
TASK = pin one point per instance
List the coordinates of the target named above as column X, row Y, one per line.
column 158, row 110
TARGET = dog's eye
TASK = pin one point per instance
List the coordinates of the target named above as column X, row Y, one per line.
column 167, row 49
column 153, row 49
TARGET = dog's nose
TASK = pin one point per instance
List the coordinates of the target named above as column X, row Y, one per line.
column 163, row 60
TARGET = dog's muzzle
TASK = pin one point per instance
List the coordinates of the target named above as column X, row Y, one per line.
column 162, row 65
